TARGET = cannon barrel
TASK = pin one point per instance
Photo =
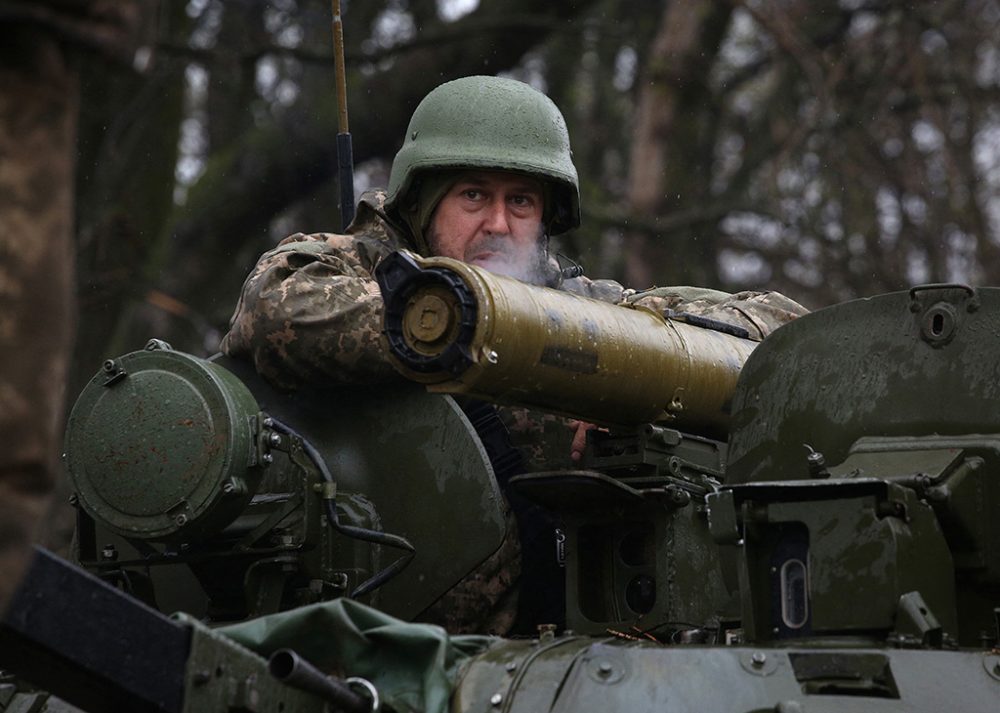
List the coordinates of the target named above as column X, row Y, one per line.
column 460, row 329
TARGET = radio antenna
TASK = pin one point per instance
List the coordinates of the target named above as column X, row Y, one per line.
column 345, row 152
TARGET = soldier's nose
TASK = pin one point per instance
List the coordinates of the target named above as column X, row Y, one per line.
column 496, row 219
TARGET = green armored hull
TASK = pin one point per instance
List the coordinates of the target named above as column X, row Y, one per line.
column 839, row 550
column 577, row 674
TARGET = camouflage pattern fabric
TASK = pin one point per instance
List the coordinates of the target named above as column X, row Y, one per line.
column 543, row 438
column 485, row 601
column 311, row 312
column 760, row 313
column 310, row 315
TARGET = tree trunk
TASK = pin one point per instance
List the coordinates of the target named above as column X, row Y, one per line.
column 38, row 106
column 668, row 160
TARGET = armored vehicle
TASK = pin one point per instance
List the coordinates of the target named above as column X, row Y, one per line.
column 805, row 524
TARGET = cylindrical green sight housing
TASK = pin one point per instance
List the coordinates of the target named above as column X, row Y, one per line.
column 463, row 330
column 162, row 446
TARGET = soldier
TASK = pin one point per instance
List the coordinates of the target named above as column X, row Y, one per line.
column 485, row 175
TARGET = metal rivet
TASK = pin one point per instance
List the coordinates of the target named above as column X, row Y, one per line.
column 268, row 422
column 604, row 668
column 109, row 365
column 267, row 458
column 496, row 699
column 181, row 519
column 511, row 667
column 758, row 659
column 274, row 439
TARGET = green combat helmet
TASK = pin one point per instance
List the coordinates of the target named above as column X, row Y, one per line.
column 489, row 123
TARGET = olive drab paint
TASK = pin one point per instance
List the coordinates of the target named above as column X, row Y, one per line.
column 840, row 551
column 177, row 464
column 463, row 330
column 902, row 388
column 162, row 446
column 488, row 123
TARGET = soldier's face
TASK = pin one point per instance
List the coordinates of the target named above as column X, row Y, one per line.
column 492, row 219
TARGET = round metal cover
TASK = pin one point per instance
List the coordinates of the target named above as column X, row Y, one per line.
column 160, row 444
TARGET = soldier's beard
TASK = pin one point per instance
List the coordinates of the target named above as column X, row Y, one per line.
column 501, row 255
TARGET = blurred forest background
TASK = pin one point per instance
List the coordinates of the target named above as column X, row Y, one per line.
column 828, row 149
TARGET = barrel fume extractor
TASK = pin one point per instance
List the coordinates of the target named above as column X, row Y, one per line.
column 460, row 329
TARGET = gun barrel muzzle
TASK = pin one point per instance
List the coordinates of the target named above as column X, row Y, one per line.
column 288, row 667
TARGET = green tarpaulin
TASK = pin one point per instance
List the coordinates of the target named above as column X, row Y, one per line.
column 413, row 666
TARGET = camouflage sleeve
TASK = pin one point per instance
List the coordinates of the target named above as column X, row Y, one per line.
column 760, row 313
column 311, row 314
column 603, row 290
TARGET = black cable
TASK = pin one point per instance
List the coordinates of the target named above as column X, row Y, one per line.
column 574, row 269
column 358, row 533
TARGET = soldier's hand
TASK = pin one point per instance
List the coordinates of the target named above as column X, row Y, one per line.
column 579, row 439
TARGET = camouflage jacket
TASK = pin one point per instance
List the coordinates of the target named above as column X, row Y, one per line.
column 310, row 314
